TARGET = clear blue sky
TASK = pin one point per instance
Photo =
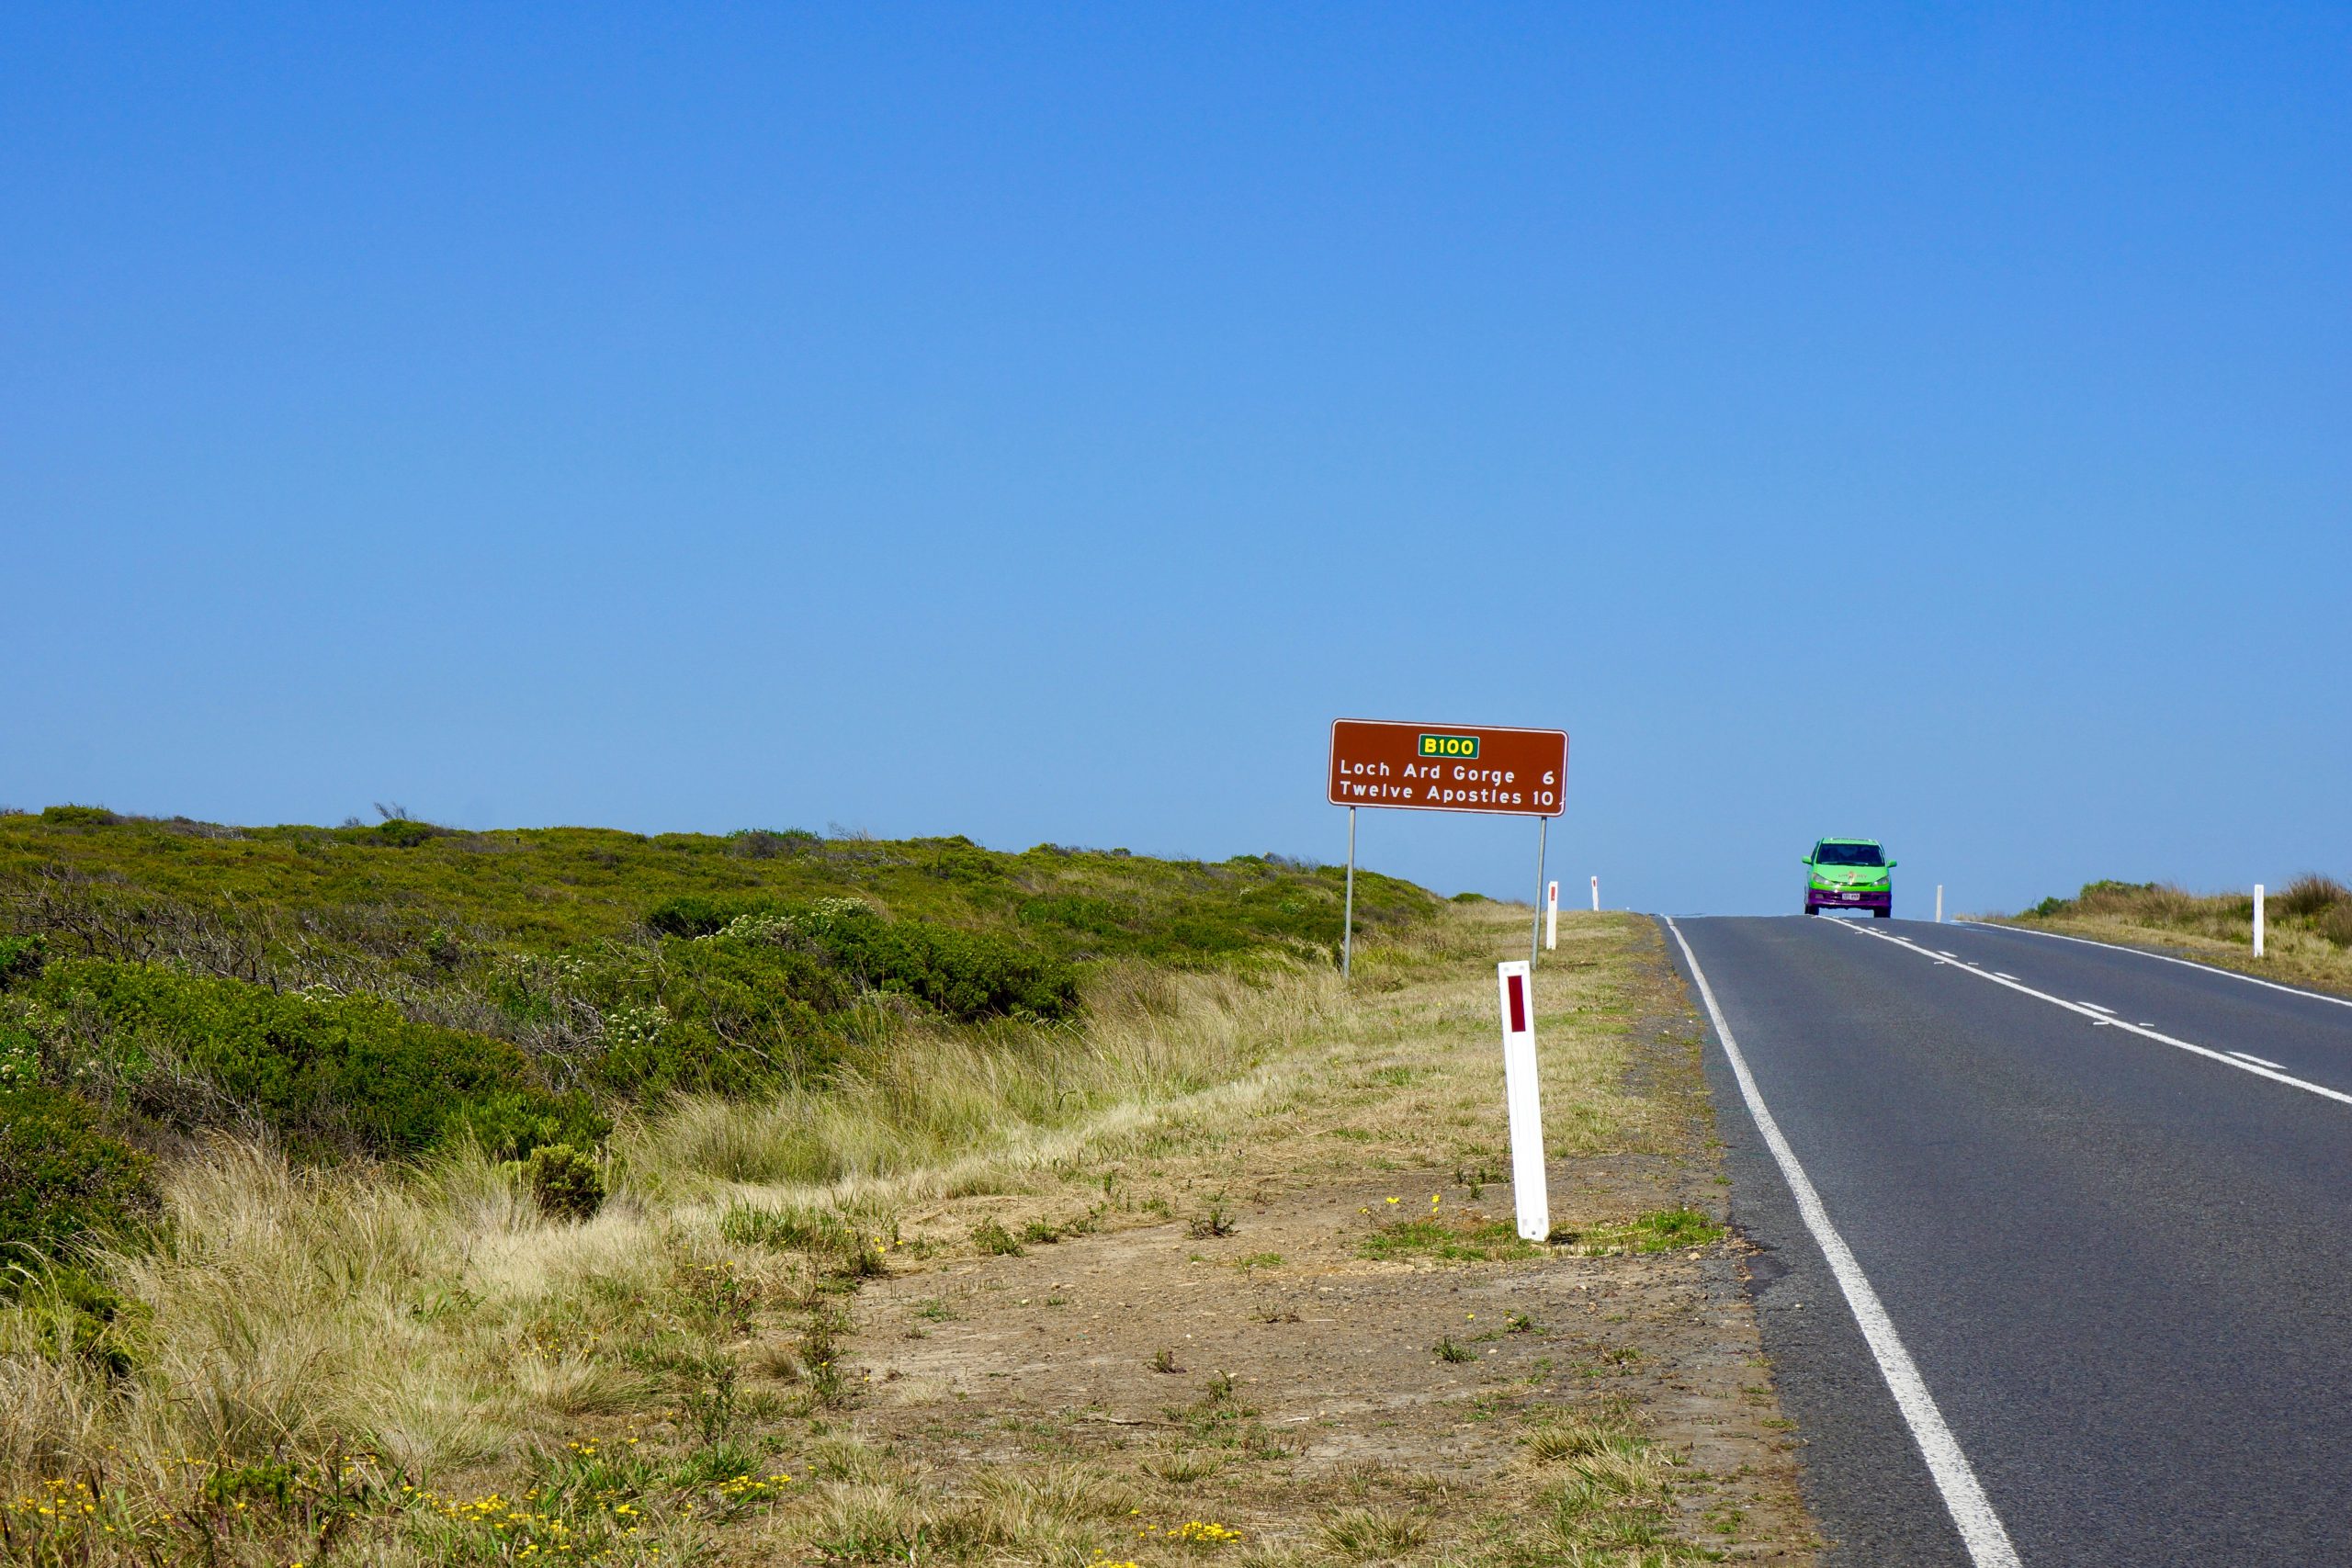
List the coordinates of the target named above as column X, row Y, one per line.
column 1038, row 423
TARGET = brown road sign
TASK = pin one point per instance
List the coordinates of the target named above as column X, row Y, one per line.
column 1449, row 767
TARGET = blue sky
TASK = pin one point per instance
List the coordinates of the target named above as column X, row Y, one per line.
column 1038, row 423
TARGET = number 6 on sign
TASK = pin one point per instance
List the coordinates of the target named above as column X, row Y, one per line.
column 1525, row 1101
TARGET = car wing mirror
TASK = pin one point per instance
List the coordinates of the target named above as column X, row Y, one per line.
column 1893, row 864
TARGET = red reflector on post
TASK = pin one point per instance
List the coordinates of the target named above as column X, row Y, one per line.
column 1517, row 1005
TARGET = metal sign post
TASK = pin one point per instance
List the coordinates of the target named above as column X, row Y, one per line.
column 1348, row 925
column 1524, row 1097
column 1536, row 916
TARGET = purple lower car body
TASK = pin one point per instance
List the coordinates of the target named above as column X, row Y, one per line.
column 1876, row 903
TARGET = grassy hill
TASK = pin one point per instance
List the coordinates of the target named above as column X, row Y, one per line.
column 384, row 991
column 336, row 1161
column 2307, row 935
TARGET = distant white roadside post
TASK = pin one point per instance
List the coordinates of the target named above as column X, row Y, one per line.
column 1551, row 915
column 1529, row 1191
column 1940, row 903
column 2257, row 919
column 1596, row 895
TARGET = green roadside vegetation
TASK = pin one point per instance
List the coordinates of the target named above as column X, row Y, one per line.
column 336, row 1161
column 2307, row 936
column 388, row 991
column 393, row 1196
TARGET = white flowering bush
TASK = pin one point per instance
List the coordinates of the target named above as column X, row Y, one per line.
column 19, row 1044
column 774, row 925
column 627, row 1026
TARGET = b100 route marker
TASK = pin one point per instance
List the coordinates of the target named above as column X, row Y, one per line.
column 1449, row 767
column 1446, row 767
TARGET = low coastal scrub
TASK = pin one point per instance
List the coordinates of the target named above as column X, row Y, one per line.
column 404, row 1194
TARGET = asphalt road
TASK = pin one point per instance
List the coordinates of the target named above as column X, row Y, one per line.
column 2122, row 1267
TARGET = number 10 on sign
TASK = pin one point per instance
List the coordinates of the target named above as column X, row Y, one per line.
column 1525, row 1099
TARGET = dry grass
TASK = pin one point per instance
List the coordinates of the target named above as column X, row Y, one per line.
column 910, row 1118
column 442, row 1330
column 358, row 1366
column 2307, row 938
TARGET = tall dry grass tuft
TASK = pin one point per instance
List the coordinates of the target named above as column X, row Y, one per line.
column 2310, row 894
column 911, row 1116
column 297, row 1313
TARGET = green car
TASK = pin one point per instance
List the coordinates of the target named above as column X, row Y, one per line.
column 1850, row 873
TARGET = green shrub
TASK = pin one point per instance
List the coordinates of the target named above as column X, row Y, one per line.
column 400, row 833
column 727, row 1017
column 21, row 958
column 326, row 1073
column 958, row 859
column 993, row 1238
column 697, row 914
column 78, row 1314
column 78, row 817
column 271, row 1481
column 73, row 1311
column 20, row 1049
column 965, row 975
column 566, row 1183
column 767, row 843
column 62, row 1179
column 442, row 949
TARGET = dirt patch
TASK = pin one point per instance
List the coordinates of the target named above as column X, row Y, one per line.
column 1307, row 1332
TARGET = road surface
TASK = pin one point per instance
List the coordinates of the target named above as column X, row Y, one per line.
column 2096, row 1213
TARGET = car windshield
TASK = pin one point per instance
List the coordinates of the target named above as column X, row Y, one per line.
column 1847, row 854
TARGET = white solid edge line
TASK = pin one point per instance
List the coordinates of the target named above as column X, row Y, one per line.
column 2141, row 1030
column 1981, row 1530
column 2095, row 1008
column 2252, row 1057
column 2163, row 958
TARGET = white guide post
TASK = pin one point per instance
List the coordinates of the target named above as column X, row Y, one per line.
column 1525, row 1099
column 2257, row 919
column 1551, row 915
column 1940, row 903
column 1596, row 895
